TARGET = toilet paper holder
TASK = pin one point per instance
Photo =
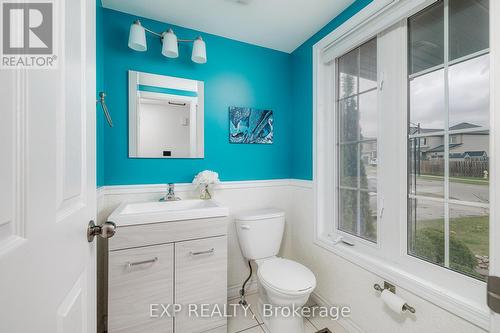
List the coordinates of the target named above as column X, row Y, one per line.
column 392, row 289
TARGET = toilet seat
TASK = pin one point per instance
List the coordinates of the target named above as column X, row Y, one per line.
column 286, row 276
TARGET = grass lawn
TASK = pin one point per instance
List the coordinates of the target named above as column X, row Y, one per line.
column 473, row 231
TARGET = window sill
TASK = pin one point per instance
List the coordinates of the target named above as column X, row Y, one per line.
column 447, row 299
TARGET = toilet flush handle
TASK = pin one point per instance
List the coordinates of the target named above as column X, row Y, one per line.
column 245, row 227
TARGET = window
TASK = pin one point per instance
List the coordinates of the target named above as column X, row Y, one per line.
column 357, row 141
column 448, row 204
column 401, row 154
column 401, row 123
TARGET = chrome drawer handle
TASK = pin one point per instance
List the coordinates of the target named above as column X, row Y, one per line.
column 137, row 263
column 211, row 251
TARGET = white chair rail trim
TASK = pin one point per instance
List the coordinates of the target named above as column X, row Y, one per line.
column 187, row 187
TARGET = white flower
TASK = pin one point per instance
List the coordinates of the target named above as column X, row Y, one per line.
column 206, row 177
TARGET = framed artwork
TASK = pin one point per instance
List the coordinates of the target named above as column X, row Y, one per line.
column 249, row 125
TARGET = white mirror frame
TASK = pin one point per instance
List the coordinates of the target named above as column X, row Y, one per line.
column 168, row 82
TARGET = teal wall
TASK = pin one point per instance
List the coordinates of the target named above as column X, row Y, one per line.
column 302, row 89
column 236, row 74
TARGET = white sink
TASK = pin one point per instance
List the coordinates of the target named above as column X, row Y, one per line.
column 166, row 211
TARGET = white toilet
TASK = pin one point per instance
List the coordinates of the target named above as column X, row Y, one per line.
column 282, row 283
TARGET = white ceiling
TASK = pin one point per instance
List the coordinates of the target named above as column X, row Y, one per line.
column 277, row 24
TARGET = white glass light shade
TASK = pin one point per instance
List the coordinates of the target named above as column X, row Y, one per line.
column 170, row 47
column 199, row 54
column 137, row 37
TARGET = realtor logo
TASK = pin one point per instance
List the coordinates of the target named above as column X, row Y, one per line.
column 28, row 35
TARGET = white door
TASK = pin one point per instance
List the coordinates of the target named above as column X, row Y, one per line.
column 47, row 184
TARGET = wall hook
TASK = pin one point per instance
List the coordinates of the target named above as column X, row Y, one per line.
column 102, row 97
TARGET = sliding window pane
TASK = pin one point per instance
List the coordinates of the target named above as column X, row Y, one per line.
column 427, row 103
column 368, row 66
column 426, row 39
column 348, row 217
column 469, row 240
column 470, row 93
column 348, row 164
column 348, row 74
column 469, row 27
column 357, row 141
column 426, row 230
column 368, row 115
column 348, row 119
column 426, row 166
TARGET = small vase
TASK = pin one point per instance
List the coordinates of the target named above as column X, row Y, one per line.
column 205, row 193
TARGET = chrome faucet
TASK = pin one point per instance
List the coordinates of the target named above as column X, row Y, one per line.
column 170, row 196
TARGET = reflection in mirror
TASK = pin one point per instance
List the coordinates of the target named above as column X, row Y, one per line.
column 165, row 116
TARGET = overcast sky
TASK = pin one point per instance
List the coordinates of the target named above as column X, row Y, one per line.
column 469, row 95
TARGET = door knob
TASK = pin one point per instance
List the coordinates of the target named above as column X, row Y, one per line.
column 107, row 230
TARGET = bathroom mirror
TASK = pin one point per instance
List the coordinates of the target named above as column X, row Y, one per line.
column 165, row 116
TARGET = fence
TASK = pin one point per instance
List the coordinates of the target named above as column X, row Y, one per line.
column 457, row 168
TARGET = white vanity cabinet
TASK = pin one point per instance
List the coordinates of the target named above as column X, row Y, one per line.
column 200, row 276
column 137, row 278
column 179, row 262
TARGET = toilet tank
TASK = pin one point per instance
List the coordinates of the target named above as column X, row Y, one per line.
column 260, row 232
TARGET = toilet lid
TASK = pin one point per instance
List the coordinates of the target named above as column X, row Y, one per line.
column 287, row 276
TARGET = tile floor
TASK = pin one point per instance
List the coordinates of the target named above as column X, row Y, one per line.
column 252, row 323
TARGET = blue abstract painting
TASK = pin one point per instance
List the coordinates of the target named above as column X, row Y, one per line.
column 248, row 125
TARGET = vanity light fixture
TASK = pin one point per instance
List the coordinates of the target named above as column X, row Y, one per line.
column 170, row 43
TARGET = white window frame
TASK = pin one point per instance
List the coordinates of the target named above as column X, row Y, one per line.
column 336, row 232
column 387, row 258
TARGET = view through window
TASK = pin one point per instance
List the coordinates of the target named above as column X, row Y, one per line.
column 357, row 141
column 448, row 136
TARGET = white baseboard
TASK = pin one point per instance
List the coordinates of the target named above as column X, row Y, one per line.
column 347, row 323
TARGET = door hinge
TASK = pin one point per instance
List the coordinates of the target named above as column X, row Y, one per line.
column 493, row 298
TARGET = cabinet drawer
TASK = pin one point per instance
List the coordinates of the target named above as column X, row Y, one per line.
column 200, row 278
column 166, row 232
column 138, row 278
